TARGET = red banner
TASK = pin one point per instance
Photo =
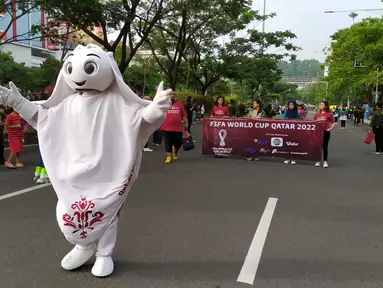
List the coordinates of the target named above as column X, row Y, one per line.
column 288, row 139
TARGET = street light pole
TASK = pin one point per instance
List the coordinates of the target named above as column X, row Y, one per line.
column 377, row 84
column 263, row 31
column 264, row 14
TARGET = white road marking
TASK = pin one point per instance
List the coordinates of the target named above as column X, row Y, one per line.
column 30, row 189
column 250, row 266
column 30, row 145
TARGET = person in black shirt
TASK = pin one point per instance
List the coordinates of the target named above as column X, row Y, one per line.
column 2, row 124
column 189, row 112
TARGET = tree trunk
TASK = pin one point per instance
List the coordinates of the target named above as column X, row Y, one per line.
column 203, row 90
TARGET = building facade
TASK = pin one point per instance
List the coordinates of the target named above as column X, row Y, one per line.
column 25, row 48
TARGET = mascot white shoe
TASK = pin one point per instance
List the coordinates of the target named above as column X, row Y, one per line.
column 92, row 131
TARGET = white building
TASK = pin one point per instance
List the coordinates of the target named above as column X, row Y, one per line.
column 23, row 53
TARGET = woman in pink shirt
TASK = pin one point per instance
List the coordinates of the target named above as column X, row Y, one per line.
column 324, row 114
column 220, row 109
column 173, row 129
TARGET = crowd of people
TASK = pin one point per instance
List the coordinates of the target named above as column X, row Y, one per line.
column 181, row 116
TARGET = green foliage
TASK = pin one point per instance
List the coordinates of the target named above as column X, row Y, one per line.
column 27, row 78
column 206, row 101
column 142, row 79
column 133, row 19
column 301, row 68
column 362, row 41
column 184, row 37
column 315, row 93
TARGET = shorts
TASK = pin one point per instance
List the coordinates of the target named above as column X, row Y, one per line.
column 16, row 145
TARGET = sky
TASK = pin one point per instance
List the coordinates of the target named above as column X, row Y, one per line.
column 306, row 18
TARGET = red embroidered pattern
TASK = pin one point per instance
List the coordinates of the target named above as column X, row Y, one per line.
column 123, row 190
column 83, row 219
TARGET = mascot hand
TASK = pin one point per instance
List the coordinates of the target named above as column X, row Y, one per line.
column 162, row 98
column 10, row 96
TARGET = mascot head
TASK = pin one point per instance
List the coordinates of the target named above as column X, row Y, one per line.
column 90, row 70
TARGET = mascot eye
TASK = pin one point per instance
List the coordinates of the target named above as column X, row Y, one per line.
column 90, row 67
column 69, row 68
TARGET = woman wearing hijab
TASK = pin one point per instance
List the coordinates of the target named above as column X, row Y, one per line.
column 292, row 113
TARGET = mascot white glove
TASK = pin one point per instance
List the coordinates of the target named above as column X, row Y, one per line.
column 160, row 105
column 12, row 97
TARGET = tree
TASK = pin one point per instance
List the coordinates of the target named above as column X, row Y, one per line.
column 28, row 79
column 314, row 93
column 301, row 68
column 363, row 42
column 133, row 19
column 257, row 56
column 191, row 21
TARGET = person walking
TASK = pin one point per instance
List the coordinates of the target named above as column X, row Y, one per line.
column 324, row 114
column 255, row 113
column 15, row 130
column 292, row 113
column 41, row 174
column 343, row 118
column 3, row 117
column 173, row 129
column 376, row 126
column 189, row 112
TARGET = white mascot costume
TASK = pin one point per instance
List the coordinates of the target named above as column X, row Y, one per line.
column 91, row 132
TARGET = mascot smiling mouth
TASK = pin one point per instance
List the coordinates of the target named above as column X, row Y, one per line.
column 80, row 83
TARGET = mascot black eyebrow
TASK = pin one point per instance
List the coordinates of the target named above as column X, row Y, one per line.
column 91, row 131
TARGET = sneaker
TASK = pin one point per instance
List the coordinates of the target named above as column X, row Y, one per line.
column 148, row 150
column 42, row 180
column 376, row 153
column 168, row 160
column 293, row 162
column 175, row 155
column 317, row 164
column 287, row 162
column 325, row 164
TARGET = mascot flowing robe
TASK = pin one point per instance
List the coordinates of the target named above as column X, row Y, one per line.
column 92, row 131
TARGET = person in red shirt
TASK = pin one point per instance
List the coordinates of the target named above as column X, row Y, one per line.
column 324, row 114
column 220, row 109
column 173, row 128
column 15, row 127
column 302, row 111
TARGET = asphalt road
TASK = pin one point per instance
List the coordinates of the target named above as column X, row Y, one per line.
column 190, row 224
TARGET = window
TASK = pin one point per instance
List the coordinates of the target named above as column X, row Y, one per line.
column 40, row 53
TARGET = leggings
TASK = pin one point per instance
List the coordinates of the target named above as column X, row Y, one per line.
column 172, row 138
column 190, row 121
column 2, row 146
column 326, row 139
column 40, row 161
column 378, row 131
column 343, row 123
